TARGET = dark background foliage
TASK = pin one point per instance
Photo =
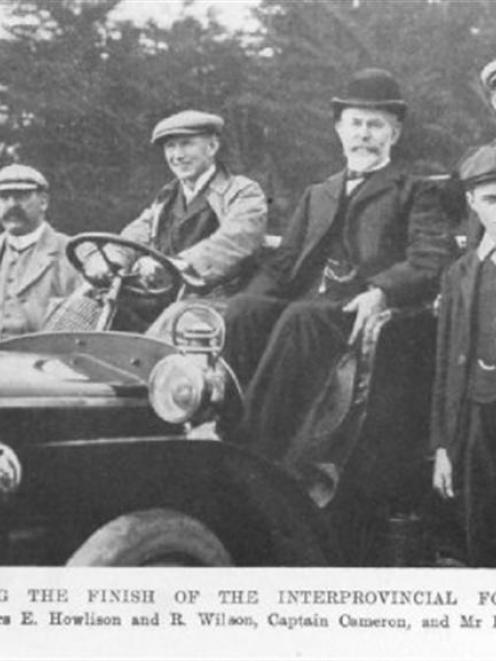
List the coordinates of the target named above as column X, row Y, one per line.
column 85, row 93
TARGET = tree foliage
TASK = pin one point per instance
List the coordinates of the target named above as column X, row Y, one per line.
column 87, row 92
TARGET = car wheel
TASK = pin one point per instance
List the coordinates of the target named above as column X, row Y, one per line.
column 155, row 537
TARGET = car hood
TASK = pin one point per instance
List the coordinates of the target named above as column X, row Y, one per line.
column 50, row 369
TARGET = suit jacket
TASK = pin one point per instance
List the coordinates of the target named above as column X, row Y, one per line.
column 395, row 232
column 455, row 353
column 47, row 278
column 241, row 209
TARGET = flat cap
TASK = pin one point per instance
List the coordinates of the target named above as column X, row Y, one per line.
column 488, row 76
column 21, row 177
column 187, row 122
column 478, row 166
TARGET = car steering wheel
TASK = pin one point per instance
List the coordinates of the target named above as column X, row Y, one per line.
column 130, row 281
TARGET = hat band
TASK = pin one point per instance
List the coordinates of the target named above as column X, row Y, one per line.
column 356, row 101
column 15, row 183
column 480, row 179
column 197, row 130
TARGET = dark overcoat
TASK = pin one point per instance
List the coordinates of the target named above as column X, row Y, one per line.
column 395, row 232
column 455, row 349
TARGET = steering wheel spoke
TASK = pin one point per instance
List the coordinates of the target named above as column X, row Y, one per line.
column 131, row 282
column 115, row 267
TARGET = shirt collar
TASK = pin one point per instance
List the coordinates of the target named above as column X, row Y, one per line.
column 191, row 192
column 25, row 240
column 485, row 247
column 352, row 184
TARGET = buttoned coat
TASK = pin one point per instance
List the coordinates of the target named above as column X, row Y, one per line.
column 241, row 209
column 48, row 278
column 395, row 232
column 455, row 349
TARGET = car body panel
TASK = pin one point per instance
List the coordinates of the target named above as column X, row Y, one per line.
column 77, row 369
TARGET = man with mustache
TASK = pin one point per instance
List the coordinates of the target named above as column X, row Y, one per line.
column 369, row 237
column 34, row 271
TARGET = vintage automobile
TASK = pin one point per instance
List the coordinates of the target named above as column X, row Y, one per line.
column 100, row 465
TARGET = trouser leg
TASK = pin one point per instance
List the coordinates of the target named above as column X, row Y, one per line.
column 481, row 501
column 304, row 344
column 249, row 323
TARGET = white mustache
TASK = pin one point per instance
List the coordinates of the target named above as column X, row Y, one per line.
column 369, row 148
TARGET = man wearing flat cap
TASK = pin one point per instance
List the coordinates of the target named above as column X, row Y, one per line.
column 34, row 271
column 207, row 220
column 368, row 237
column 463, row 426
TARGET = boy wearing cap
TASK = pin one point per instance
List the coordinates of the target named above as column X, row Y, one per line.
column 366, row 238
column 34, row 271
column 207, row 219
column 464, row 405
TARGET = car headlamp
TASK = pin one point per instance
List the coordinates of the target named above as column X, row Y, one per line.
column 10, row 471
column 177, row 388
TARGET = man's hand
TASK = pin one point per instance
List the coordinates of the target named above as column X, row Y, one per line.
column 442, row 479
column 365, row 305
column 97, row 270
column 149, row 270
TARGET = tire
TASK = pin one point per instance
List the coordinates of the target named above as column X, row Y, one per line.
column 157, row 537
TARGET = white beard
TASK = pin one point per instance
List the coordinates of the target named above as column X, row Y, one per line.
column 363, row 161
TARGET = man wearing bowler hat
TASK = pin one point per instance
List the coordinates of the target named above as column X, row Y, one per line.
column 464, row 408
column 368, row 237
column 207, row 220
column 34, row 272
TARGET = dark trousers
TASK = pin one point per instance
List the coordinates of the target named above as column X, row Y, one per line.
column 283, row 353
column 480, row 487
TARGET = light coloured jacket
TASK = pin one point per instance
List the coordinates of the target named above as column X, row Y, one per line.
column 241, row 209
column 47, row 277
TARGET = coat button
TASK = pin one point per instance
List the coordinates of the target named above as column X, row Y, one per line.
column 462, row 359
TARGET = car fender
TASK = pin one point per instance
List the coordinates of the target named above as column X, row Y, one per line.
column 258, row 511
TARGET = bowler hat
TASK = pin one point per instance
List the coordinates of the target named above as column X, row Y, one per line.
column 478, row 166
column 187, row 122
column 488, row 76
column 372, row 88
column 21, row 177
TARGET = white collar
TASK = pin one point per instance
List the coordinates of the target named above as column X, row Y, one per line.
column 354, row 183
column 25, row 240
column 192, row 191
column 485, row 247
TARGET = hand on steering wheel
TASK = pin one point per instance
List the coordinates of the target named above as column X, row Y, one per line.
column 100, row 268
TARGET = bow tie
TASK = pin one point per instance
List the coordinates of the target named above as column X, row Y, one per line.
column 354, row 175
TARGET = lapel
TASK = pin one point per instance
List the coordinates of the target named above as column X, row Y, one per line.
column 217, row 185
column 196, row 206
column 323, row 215
column 166, row 196
column 380, row 181
column 45, row 251
column 469, row 276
